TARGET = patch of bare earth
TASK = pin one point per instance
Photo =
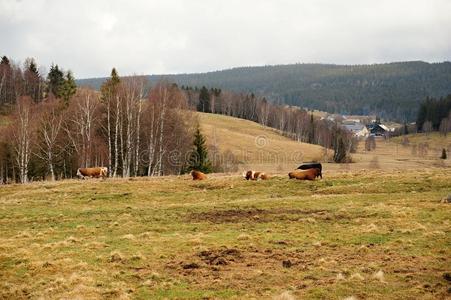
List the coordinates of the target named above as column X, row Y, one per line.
column 303, row 269
column 264, row 215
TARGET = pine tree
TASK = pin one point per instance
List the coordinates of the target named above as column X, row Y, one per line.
column 109, row 87
column 55, row 81
column 443, row 156
column 33, row 80
column 199, row 157
column 69, row 87
column 204, row 100
column 311, row 136
column 32, row 67
column 5, row 61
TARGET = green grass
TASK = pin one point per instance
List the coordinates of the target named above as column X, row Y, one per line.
column 227, row 238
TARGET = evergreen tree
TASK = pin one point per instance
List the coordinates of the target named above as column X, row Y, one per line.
column 69, row 88
column 33, row 80
column 109, row 87
column 55, row 81
column 5, row 61
column 32, row 67
column 443, row 156
column 311, row 136
column 204, row 100
column 199, row 157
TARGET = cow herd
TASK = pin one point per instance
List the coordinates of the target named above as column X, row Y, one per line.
column 308, row 171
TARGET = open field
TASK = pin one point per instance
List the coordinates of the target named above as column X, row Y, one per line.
column 264, row 149
column 368, row 234
column 254, row 145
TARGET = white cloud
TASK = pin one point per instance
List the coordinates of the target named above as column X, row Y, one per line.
column 172, row 36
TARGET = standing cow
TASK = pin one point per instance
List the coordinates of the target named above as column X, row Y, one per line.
column 96, row 172
column 312, row 165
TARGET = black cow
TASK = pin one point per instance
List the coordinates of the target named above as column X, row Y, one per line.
column 312, row 165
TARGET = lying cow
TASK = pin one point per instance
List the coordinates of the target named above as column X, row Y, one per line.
column 252, row 175
column 96, row 172
column 198, row 175
column 309, row 174
column 312, row 165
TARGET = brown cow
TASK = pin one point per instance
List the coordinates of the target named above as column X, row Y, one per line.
column 309, row 174
column 252, row 175
column 197, row 175
column 96, row 172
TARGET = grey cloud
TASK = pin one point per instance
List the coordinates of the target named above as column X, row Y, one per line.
column 143, row 37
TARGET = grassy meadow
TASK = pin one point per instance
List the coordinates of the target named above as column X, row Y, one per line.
column 367, row 234
column 256, row 146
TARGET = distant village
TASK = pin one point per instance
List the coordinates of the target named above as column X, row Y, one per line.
column 364, row 126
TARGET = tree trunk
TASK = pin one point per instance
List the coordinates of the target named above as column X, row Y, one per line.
column 116, row 146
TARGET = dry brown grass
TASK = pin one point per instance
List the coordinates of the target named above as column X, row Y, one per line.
column 255, row 146
column 373, row 234
column 278, row 155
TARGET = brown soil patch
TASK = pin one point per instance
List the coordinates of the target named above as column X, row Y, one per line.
column 264, row 215
column 301, row 268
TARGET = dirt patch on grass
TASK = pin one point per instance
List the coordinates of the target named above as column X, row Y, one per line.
column 302, row 268
column 264, row 215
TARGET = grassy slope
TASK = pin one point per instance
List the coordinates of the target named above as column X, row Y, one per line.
column 225, row 237
column 254, row 145
column 279, row 154
column 435, row 141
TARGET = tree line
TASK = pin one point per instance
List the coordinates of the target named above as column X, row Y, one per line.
column 50, row 127
column 293, row 122
column 435, row 115
column 17, row 81
column 392, row 91
column 133, row 129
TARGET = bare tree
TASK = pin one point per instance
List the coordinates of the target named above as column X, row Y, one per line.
column 49, row 128
column 370, row 143
column 22, row 133
column 427, row 127
column 444, row 126
column 81, row 124
column 133, row 93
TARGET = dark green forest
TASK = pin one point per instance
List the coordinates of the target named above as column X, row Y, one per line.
column 435, row 114
column 393, row 90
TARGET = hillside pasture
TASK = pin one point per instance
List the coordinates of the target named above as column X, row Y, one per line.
column 262, row 148
column 368, row 234
column 255, row 146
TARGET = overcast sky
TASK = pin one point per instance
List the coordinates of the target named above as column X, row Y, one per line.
column 184, row 36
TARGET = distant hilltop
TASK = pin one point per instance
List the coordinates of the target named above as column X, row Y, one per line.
column 391, row 90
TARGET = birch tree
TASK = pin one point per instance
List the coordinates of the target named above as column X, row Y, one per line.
column 110, row 95
column 22, row 133
column 81, row 124
column 48, row 130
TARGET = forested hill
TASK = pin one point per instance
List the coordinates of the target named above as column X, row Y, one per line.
column 391, row 90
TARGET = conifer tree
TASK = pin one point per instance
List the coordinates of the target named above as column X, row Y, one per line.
column 199, row 157
column 311, row 136
column 33, row 80
column 69, row 88
column 55, row 81
column 204, row 100
column 5, row 61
